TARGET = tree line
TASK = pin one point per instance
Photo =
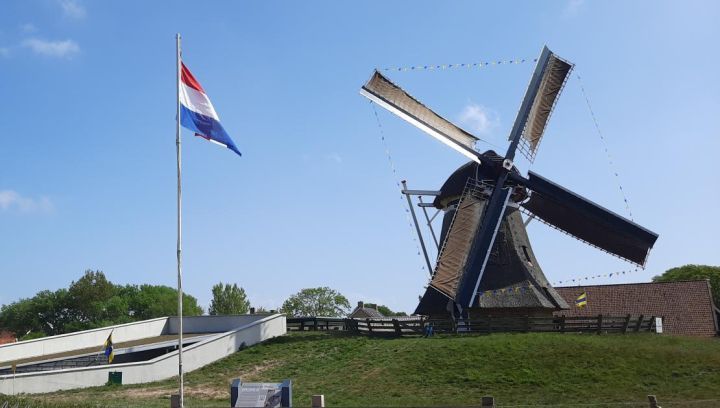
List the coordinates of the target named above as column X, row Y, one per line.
column 94, row 301
column 90, row 302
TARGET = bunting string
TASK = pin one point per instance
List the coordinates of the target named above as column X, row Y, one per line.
column 482, row 64
column 396, row 180
column 589, row 278
column 479, row 65
column 613, row 168
column 512, row 290
column 472, row 65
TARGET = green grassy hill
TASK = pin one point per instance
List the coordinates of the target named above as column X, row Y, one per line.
column 516, row 369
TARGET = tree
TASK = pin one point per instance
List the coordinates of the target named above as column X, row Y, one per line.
column 45, row 313
column 693, row 272
column 316, row 302
column 228, row 300
column 92, row 301
column 88, row 299
column 151, row 301
column 261, row 310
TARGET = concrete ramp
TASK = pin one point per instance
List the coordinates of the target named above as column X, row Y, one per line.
column 211, row 338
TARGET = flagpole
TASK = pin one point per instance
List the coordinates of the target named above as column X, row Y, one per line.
column 179, row 225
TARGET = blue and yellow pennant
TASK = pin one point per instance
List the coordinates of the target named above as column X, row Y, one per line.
column 109, row 352
column 581, row 300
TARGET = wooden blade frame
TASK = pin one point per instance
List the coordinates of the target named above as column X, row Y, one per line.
column 543, row 92
column 393, row 98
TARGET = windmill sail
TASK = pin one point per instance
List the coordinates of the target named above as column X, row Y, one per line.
column 393, row 98
column 588, row 221
column 458, row 244
column 482, row 246
column 544, row 89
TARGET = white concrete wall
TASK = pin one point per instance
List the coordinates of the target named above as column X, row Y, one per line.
column 82, row 339
column 210, row 324
column 259, row 328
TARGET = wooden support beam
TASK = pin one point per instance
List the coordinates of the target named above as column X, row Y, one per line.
column 396, row 325
column 318, row 401
column 527, row 323
column 639, row 323
column 627, row 323
column 487, row 402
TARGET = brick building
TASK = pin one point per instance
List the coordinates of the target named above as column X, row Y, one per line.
column 6, row 336
column 686, row 307
column 363, row 312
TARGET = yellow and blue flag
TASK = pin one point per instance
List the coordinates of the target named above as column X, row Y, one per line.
column 109, row 352
column 581, row 300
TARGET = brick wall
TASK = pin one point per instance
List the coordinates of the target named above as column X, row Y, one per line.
column 686, row 307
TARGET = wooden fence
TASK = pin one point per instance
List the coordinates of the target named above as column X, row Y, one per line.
column 482, row 325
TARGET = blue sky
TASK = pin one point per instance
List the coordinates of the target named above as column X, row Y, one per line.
column 87, row 149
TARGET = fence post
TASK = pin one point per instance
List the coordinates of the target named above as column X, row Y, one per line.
column 368, row 325
column 562, row 324
column 318, row 401
column 490, row 326
column 487, row 402
column 315, row 324
column 599, row 325
column 527, row 323
column 627, row 323
column 302, row 325
column 639, row 323
column 653, row 401
column 396, row 324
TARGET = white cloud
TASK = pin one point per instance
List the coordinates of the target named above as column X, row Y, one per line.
column 573, row 7
column 10, row 200
column 64, row 48
column 72, row 9
column 334, row 157
column 479, row 119
column 28, row 28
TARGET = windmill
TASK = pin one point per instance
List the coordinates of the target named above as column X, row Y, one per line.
column 484, row 242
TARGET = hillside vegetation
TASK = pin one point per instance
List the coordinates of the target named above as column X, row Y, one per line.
column 516, row 369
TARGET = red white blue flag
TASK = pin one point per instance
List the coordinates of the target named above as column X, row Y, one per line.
column 198, row 114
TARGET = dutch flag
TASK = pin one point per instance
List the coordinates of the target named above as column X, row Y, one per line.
column 198, row 114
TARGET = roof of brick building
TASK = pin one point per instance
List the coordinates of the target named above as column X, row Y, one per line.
column 361, row 311
column 686, row 307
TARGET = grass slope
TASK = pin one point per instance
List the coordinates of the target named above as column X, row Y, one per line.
column 515, row 368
